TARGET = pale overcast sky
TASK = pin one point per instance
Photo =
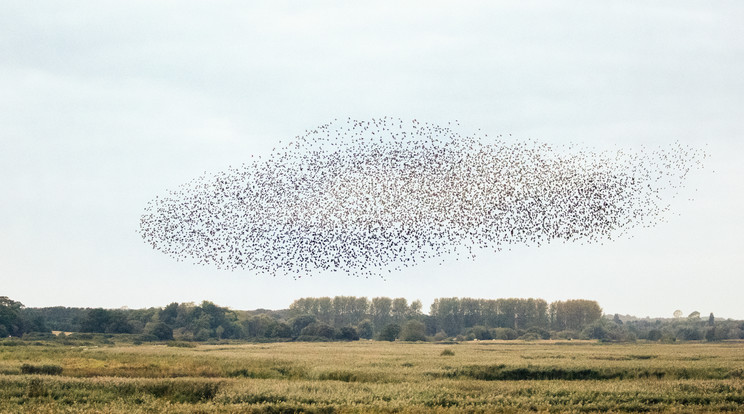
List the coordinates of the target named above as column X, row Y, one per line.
column 105, row 104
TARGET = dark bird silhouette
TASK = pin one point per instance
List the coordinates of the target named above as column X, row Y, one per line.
column 364, row 197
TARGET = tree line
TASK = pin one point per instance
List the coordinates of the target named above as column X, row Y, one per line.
column 353, row 318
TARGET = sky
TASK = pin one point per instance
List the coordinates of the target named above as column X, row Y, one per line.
column 106, row 104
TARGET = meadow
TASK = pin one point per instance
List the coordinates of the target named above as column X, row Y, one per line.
column 370, row 376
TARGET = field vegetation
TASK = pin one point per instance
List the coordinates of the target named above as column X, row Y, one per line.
column 111, row 374
column 348, row 318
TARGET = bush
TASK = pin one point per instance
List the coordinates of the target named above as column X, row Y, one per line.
column 539, row 332
column 529, row 336
column 318, row 329
column 300, row 322
column 654, row 335
column 447, row 352
column 504, row 373
column 180, row 344
column 607, row 331
column 688, row 333
column 413, row 331
column 41, row 369
column 347, row 333
column 440, row 336
column 312, row 338
column 182, row 391
column 389, row 333
column 566, row 335
column 159, row 330
column 145, row 338
column 203, row 335
column 36, row 336
column 480, row 333
column 366, row 329
column 280, row 330
column 504, row 333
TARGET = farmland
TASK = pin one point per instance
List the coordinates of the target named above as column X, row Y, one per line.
column 370, row 376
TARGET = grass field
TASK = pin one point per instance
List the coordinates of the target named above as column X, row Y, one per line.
column 371, row 376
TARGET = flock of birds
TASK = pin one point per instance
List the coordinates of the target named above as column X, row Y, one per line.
column 370, row 197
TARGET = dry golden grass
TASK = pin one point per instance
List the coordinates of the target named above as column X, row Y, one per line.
column 376, row 377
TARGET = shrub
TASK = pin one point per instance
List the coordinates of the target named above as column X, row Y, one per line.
column 180, row 344
column 688, row 333
column 440, row 336
column 182, row 391
column 347, row 333
column 504, row 333
column 312, row 338
column 390, row 332
column 41, row 369
column 36, row 388
column 366, row 329
column 280, row 330
column 413, row 331
column 300, row 322
column 654, row 335
column 159, row 330
column 447, row 352
column 480, row 333
column 35, row 336
column 203, row 335
column 146, row 338
column 541, row 333
column 319, row 329
column 529, row 336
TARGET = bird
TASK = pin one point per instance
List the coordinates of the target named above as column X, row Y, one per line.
column 351, row 196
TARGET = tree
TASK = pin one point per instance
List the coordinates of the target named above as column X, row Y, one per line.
column 575, row 314
column 694, row 316
column 325, row 309
column 280, row 330
column 258, row 326
column 470, row 310
column 347, row 333
column 677, row 314
column 32, row 320
column 300, row 322
column 9, row 317
column 413, row 330
column 399, row 311
column 390, row 332
column 711, row 320
column 159, row 330
column 118, row 323
column 343, row 306
column 233, row 330
column 380, row 311
column 365, row 329
column 689, row 333
column 95, row 320
column 168, row 314
column 320, row 330
column 447, row 311
column 359, row 310
column 415, row 309
column 480, row 333
column 654, row 335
